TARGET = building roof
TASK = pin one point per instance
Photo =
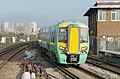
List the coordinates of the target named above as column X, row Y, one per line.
column 108, row 1
column 95, row 7
column 106, row 6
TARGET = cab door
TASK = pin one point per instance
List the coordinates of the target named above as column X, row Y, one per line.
column 73, row 40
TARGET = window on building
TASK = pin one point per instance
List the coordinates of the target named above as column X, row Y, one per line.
column 101, row 15
column 115, row 14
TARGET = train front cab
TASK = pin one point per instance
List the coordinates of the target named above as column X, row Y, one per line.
column 72, row 44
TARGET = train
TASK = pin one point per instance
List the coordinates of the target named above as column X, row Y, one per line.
column 67, row 42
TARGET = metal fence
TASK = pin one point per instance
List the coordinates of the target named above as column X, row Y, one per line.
column 110, row 44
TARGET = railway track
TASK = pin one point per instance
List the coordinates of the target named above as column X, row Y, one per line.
column 9, row 52
column 105, row 65
column 61, row 68
column 12, row 55
column 12, row 47
column 69, row 73
column 11, row 63
column 88, row 72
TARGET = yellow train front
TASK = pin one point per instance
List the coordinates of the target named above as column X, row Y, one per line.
column 67, row 42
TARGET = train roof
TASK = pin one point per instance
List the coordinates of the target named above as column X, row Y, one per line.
column 67, row 22
column 73, row 22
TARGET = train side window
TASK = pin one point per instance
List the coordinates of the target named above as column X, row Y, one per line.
column 54, row 34
column 84, row 35
column 52, row 37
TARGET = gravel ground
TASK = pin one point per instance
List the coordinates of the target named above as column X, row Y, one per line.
column 52, row 70
column 13, row 69
column 80, row 74
column 10, row 71
column 106, row 74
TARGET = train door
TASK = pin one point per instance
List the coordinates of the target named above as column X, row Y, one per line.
column 73, row 39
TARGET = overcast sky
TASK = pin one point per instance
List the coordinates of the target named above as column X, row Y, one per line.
column 44, row 12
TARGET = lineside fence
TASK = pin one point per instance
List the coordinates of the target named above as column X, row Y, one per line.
column 111, row 43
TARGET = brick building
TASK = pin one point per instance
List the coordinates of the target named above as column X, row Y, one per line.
column 104, row 23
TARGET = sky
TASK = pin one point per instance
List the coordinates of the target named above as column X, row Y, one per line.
column 44, row 12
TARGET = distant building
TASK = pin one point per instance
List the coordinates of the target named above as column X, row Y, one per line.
column 32, row 28
column 104, row 23
column 19, row 28
column 6, row 27
column 26, row 30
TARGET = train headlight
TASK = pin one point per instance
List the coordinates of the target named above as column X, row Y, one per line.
column 84, row 48
column 60, row 47
column 39, row 40
column 63, row 48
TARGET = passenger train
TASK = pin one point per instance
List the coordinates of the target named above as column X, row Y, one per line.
column 66, row 43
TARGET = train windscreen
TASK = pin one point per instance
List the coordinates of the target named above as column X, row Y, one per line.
column 84, row 35
column 62, row 35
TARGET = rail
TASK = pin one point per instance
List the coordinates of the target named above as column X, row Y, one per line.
column 88, row 72
column 99, row 63
column 71, row 75
column 4, row 62
column 12, row 47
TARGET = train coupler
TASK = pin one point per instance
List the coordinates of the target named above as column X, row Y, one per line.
column 73, row 58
